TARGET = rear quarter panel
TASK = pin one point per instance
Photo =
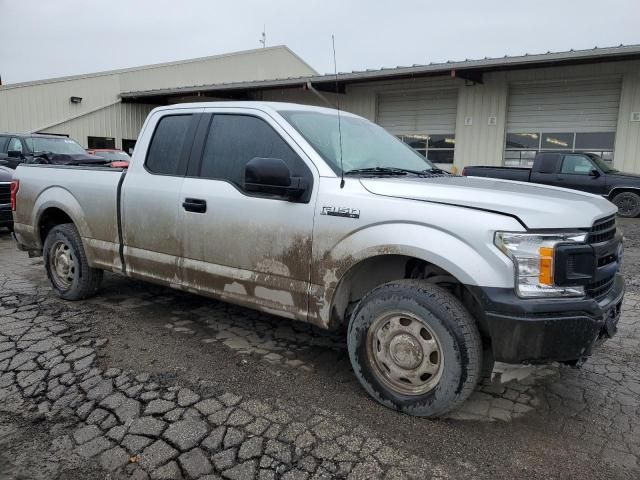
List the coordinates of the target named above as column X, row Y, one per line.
column 86, row 194
column 505, row 173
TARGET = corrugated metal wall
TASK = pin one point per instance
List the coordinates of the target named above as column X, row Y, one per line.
column 122, row 120
column 627, row 147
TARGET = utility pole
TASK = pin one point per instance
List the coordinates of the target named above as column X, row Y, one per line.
column 263, row 40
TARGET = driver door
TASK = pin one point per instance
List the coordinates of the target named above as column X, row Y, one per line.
column 250, row 248
column 576, row 172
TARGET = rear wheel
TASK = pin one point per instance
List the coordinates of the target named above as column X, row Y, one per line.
column 67, row 266
column 415, row 348
column 628, row 204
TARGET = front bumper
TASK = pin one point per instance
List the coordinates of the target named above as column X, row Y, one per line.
column 546, row 330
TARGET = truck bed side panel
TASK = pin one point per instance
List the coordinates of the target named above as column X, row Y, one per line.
column 505, row 173
column 86, row 195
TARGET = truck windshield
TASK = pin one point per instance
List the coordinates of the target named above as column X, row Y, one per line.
column 602, row 165
column 60, row 146
column 365, row 145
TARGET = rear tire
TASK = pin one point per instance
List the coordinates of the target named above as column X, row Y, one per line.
column 67, row 266
column 628, row 204
column 415, row 348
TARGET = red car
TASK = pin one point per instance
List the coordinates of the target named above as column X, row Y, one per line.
column 118, row 158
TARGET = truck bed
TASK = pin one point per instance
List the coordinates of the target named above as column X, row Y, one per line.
column 87, row 193
column 520, row 174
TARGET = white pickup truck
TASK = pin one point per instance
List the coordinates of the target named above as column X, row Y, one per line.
column 328, row 219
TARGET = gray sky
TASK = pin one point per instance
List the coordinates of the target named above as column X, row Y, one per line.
column 50, row 38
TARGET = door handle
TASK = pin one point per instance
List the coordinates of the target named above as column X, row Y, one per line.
column 195, row 205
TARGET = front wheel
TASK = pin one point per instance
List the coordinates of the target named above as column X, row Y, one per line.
column 66, row 263
column 415, row 348
column 628, row 204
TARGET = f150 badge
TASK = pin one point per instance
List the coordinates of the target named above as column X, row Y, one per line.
column 341, row 212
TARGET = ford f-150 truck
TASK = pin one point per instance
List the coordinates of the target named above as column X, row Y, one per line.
column 326, row 218
column 579, row 171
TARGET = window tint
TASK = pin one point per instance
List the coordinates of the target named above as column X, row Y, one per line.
column 167, row 144
column 577, row 165
column 15, row 145
column 3, row 144
column 234, row 140
column 548, row 162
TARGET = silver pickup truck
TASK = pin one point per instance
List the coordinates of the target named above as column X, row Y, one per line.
column 326, row 218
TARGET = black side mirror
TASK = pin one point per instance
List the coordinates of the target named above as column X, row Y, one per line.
column 272, row 176
column 594, row 173
column 14, row 154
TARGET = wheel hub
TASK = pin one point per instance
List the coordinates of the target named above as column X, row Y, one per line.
column 404, row 353
column 62, row 265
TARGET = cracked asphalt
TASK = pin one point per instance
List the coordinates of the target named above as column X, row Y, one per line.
column 146, row 382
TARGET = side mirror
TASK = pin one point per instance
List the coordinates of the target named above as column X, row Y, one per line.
column 594, row 173
column 14, row 154
column 272, row 176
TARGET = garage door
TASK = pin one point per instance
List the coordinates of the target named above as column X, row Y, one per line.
column 424, row 119
column 570, row 115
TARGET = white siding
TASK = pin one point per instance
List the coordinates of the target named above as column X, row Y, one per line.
column 589, row 105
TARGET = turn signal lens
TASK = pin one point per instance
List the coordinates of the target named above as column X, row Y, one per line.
column 546, row 265
column 15, row 185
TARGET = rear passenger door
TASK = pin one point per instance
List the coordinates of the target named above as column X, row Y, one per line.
column 151, row 204
column 248, row 248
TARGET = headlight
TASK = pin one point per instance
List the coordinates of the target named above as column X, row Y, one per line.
column 533, row 256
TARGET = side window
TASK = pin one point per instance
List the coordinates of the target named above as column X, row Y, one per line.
column 234, row 140
column 14, row 145
column 548, row 162
column 3, row 144
column 577, row 165
column 167, row 144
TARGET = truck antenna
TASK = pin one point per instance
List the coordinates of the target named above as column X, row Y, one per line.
column 335, row 70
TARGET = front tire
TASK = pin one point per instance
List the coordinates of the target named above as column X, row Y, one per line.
column 415, row 348
column 66, row 263
column 628, row 204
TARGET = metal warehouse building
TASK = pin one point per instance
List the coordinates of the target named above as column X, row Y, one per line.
column 89, row 107
column 481, row 112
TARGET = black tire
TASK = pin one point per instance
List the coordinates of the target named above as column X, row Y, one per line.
column 628, row 204
column 455, row 331
column 82, row 281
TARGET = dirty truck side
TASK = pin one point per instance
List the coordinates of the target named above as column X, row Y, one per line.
column 433, row 276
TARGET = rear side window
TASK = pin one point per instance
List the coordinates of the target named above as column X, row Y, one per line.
column 167, row 145
column 3, row 144
column 548, row 162
column 234, row 140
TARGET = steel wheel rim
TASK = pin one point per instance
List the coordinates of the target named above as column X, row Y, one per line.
column 627, row 205
column 404, row 353
column 62, row 265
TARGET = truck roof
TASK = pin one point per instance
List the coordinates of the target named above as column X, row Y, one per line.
column 262, row 106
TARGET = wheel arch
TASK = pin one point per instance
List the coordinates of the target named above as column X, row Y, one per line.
column 53, row 207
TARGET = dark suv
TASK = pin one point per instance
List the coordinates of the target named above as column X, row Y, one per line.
column 20, row 148
column 5, row 197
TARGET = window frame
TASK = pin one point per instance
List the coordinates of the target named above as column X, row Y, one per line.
column 196, row 159
column 186, row 148
column 427, row 148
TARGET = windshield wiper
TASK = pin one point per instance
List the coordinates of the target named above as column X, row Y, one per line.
column 395, row 171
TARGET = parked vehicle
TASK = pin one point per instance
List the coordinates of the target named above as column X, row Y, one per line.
column 580, row 171
column 6, row 175
column 16, row 149
column 111, row 154
column 327, row 219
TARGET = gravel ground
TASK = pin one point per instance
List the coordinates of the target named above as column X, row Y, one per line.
column 145, row 382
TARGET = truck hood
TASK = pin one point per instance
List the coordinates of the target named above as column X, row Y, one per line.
column 536, row 206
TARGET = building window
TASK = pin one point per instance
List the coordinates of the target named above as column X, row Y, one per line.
column 101, row 142
column 439, row 148
column 521, row 148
